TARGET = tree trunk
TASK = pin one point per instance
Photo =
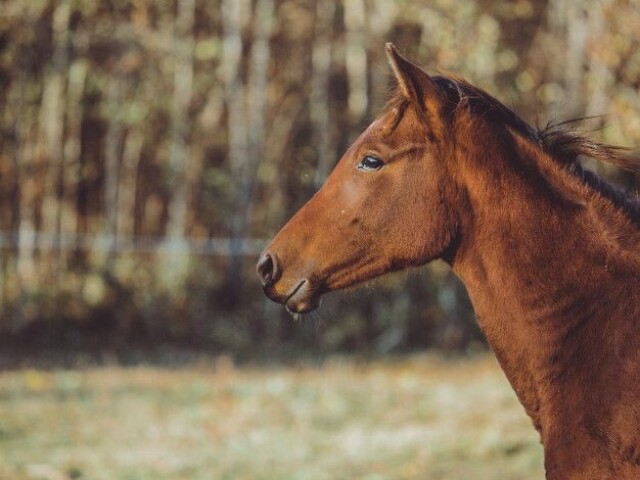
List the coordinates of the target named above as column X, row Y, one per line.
column 51, row 141
column 319, row 94
column 180, row 155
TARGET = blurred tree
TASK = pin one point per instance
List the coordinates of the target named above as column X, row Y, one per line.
column 149, row 147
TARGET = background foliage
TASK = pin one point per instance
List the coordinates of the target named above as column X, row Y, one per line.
column 149, row 148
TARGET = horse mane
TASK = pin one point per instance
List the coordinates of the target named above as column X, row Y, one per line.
column 562, row 144
column 566, row 146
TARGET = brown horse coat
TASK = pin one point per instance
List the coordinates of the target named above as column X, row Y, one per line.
column 549, row 253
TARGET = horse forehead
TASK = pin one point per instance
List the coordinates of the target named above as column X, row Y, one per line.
column 378, row 124
column 386, row 127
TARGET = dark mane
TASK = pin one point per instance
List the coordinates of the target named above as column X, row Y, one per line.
column 567, row 146
column 561, row 143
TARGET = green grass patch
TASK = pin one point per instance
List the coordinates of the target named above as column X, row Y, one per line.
column 418, row 417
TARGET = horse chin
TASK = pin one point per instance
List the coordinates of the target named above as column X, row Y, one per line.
column 304, row 298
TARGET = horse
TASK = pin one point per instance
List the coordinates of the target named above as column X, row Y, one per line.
column 549, row 253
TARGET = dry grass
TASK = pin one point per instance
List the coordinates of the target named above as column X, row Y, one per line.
column 411, row 418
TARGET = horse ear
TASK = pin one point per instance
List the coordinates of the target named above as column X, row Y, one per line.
column 415, row 84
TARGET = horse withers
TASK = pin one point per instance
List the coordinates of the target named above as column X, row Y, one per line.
column 549, row 254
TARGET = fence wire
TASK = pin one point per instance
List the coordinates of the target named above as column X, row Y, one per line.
column 216, row 246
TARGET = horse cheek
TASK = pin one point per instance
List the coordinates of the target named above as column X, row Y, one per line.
column 433, row 227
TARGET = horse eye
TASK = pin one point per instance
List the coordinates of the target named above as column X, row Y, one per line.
column 370, row 163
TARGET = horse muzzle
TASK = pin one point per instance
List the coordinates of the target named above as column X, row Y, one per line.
column 298, row 295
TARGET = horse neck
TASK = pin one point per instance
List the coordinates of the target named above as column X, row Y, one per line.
column 532, row 231
column 534, row 258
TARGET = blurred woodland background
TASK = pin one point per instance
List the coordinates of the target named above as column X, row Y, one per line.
column 150, row 148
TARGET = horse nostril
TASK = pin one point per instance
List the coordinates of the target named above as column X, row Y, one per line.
column 267, row 269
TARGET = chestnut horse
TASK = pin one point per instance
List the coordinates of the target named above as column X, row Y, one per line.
column 549, row 253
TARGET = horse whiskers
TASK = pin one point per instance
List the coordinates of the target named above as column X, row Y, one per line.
column 314, row 317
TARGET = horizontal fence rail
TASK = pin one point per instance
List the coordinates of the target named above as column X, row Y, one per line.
column 43, row 241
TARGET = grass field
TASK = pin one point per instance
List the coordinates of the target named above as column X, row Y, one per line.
column 412, row 418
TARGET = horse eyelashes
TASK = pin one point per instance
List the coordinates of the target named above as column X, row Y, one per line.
column 370, row 163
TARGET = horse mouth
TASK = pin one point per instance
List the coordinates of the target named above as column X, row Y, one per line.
column 303, row 299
